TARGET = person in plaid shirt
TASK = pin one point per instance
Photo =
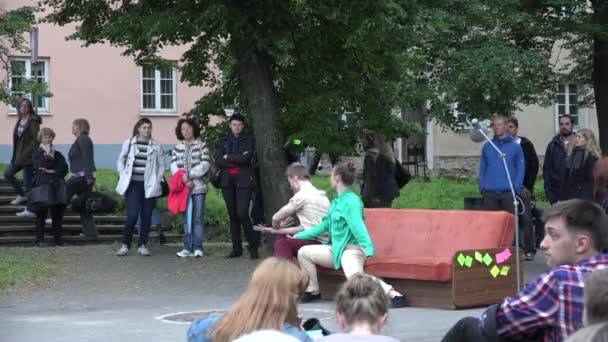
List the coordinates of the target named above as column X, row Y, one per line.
column 550, row 308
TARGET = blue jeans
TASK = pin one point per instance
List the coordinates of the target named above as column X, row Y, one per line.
column 154, row 221
column 193, row 233
column 138, row 206
column 28, row 175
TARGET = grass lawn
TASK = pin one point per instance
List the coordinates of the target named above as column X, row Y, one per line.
column 22, row 267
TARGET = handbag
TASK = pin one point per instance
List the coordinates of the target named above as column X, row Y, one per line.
column 164, row 188
column 39, row 198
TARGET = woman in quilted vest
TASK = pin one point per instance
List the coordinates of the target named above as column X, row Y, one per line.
column 192, row 156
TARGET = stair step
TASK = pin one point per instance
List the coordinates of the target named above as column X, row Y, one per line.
column 15, row 240
column 14, row 220
column 66, row 227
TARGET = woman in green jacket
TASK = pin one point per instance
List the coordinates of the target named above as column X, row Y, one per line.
column 349, row 245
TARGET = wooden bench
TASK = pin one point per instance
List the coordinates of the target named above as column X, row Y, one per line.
column 417, row 252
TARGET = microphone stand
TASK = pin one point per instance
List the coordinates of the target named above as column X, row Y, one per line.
column 503, row 157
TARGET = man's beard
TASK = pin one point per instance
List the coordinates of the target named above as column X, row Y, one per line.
column 565, row 132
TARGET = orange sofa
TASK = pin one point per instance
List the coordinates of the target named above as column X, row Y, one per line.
column 417, row 253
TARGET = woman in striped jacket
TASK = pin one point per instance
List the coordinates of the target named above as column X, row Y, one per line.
column 192, row 155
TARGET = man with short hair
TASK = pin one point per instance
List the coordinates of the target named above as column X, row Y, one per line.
column 596, row 297
column 493, row 181
column 551, row 306
column 308, row 203
column 527, row 192
column 555, row 158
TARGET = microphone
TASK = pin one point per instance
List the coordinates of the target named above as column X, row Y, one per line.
column 475, row 131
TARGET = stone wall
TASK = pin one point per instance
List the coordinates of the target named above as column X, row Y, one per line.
column 462, row 167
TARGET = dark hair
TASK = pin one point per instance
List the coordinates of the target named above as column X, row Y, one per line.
column 298, row 170
column 566, row 116
column 596, row 296
column 30, row 104
column 237, row 117
column 346, row 170
column 581, row 216
column 514, row 121
column 196, row 131
column 140, row 123
column 361, row 300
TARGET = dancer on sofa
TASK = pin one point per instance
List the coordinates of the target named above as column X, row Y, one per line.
column 549, row 308
column 349, row 244
column 308, row 203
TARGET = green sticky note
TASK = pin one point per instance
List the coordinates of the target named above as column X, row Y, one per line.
column 468, row 262
column 461, row 259
column 478, row 256
column 494, row 271
column 487, row 259
column 297, row 141
column 505, row 271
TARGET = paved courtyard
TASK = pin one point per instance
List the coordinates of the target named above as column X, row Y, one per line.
column 97, row 296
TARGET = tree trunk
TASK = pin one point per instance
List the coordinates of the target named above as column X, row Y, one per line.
column 600, row 72
column 256, row 80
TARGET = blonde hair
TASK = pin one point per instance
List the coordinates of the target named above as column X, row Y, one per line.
column 46, row 132
column 591, row 147
column 270, row 300
column 361, row 300
column 83, row 125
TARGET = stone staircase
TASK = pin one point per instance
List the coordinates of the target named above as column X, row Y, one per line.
column 20, row 231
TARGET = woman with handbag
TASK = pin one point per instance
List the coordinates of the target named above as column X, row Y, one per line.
column 48, row 188
column 25, row 142
column 141, row 167
column 82, row 171
column 191, row 156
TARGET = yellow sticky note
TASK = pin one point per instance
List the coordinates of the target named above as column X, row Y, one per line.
column 505, row 271
column 478, row 256
column 495, row 271
column 468, row 262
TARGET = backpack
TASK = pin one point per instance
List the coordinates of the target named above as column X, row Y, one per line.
column 94, row 203
column 402, row 175
column 214, row 172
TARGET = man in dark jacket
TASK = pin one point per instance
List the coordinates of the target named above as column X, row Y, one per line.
column 555, row 158
column 493, row 182
column 531, row 161
column 235, row 157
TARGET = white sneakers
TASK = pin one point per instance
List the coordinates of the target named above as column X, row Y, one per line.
column 18, row 200
column 48, row 221
column 124, row 250
column 143, row 251
column 25, row 213
column 184, row 253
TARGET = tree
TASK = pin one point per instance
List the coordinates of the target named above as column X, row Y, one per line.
column 13, row 26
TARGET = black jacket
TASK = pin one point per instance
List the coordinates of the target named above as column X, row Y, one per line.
column 81, row 156
column 531, row 163
column 244, row 161
column 57, row 164
column 577, row 181
column 379, row 179
column 553, row 168
column 25, row 145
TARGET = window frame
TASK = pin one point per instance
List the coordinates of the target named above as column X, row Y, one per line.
column 28, row 75
column 581, row 113
column 157, row 111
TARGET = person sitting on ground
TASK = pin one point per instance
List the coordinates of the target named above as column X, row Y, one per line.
column 596, row 297
column 594, row 333
column 308, row 203
column 349, row 243
column 361, row 311
column 551, row 306
column 269, row 302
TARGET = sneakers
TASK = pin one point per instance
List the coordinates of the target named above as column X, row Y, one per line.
column 18, row 200
column 184, row 253
column 124, row 250
column 48, row 221
column 143, row 251
column 309, row 297
column 398, row 302
column 25, row 213
column 41, row 244
column 198, row 253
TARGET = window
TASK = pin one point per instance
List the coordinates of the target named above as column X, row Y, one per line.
column 461, row 117
column 158, row 88
column 23, row 69
column 566, row 102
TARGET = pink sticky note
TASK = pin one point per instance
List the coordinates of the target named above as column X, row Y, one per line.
column 503, row 256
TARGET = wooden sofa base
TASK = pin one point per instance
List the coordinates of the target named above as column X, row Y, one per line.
column 470, row 286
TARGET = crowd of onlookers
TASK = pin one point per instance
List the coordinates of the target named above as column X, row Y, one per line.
column 318, row 232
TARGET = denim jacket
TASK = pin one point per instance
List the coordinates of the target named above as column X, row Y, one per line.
column 199, row 330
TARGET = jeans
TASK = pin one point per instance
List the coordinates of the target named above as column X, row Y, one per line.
column 78, row 186
column 257, row 209
column 495, row 201
column 28, row 175
column 155, row 221
column 193, row 232
column 539, row 225
column 237, row 202
column 138, row 206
